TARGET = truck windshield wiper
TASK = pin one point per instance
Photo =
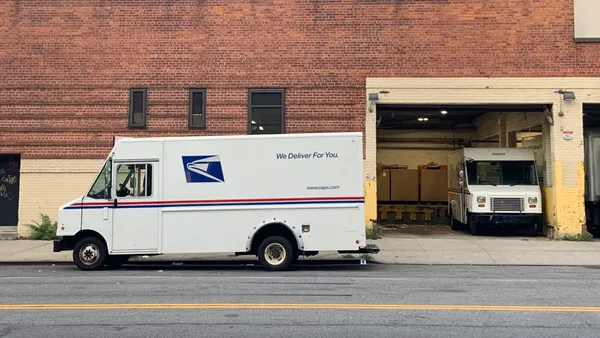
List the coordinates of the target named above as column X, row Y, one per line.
column 488, row 182
column 520, row 182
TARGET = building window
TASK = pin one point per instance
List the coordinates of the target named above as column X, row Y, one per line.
column 197, row 113
column 266, row 111
column 587, row 25
column 137, row 108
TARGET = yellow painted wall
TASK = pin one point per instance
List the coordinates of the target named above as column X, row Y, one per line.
column 47, row 184
column 569, row 211
column 548, row 205
column 370, row 203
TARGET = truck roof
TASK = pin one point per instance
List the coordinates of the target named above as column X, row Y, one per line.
column 494, row 154
column 237, row 137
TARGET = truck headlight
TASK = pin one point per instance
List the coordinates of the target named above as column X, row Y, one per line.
column 480, row 199
column 533, row 200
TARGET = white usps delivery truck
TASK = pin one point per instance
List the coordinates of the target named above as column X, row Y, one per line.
column 274, row 196
column 494, row 187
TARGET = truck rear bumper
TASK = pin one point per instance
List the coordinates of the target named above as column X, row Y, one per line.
column 369, row 248
column 507, row 219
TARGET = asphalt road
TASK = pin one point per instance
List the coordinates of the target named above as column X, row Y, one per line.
column 313, row 301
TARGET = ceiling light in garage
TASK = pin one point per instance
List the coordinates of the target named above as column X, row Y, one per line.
column 423, row 119
column 444, row 112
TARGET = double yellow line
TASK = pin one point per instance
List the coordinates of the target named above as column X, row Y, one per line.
column 208, row 306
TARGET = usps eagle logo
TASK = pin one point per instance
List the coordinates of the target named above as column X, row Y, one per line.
column 203, row 169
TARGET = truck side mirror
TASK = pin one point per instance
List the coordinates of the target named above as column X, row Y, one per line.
column 461, row 174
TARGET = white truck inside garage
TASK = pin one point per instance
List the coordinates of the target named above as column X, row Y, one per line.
column 413, row 143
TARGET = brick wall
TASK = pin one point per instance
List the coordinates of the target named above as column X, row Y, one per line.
column 66, row 66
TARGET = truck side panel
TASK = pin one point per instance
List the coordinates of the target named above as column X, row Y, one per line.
column 215, row 193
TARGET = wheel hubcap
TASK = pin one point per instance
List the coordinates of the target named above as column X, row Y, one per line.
column 275, row 254
column 89, row 254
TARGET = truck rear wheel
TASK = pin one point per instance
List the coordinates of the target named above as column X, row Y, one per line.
column 276, row 253
column 454, row 225
column 89, row 253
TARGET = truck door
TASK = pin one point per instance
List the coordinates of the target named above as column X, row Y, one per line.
column 135, row 210
column 463, row 198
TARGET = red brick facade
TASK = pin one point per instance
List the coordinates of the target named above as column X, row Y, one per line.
column 66, row 67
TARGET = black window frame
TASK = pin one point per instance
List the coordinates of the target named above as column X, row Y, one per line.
column 144, row 108
column 191, row 108
column 282, row 106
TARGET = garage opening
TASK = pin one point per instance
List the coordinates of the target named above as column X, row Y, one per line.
column 413, row 145
column 591, row 131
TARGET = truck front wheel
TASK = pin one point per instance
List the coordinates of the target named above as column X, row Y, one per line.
column 89, row 253
column 276, row 253
column 473, row 226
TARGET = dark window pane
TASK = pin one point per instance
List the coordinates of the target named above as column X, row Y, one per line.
column 267, row 99
column 138, row 118
column 266, row 121
column 197, row 119
column 138, row 102
column 149, row 180
column 197, row 103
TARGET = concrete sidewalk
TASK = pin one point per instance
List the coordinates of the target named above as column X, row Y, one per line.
column 396, row 248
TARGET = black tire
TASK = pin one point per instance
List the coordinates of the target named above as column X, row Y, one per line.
column 532, row 231
column 454, row 225
column 474, row 227
column 113, row 262
column 276, row 244
column 91, row 247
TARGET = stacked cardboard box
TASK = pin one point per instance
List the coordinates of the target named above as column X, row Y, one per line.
column 383, row 184
column 428, row 183
column 434, row 185
column 397, row 184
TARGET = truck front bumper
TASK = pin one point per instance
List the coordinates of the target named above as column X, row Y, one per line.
column 507, row 219
column 64, row 244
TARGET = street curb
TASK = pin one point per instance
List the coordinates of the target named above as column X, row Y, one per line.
column 312, row 262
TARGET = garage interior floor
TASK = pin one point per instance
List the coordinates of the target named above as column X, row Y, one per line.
column 437, row 231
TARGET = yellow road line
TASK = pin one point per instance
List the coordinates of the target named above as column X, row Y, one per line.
column 300, row 306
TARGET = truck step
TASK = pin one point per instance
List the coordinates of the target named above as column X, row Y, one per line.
column 369, row 248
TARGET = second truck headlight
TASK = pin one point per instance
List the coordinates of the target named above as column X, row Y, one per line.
column 480, row 199
column 533, row 200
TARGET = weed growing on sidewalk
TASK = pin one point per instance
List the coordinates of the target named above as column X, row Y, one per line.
column 585, row 237
column 45, row 231
column 372, row 231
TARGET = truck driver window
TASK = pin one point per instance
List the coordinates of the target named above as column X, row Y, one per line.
column 99, row 187
column 501, row 173
column 134, row 180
